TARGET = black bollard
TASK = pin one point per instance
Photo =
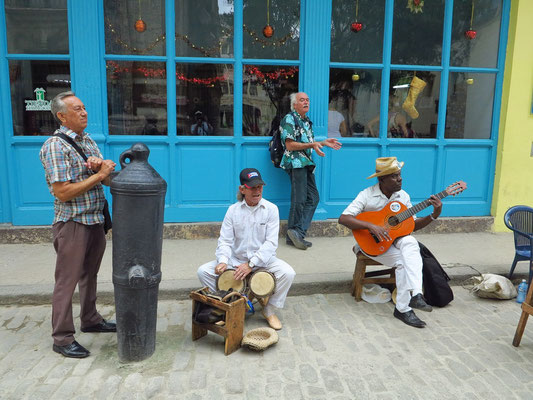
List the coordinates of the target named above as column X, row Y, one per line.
column 138, row 206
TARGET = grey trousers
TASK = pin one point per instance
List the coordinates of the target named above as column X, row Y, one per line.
column 79, row 249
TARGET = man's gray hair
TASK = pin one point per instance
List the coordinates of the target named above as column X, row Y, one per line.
column 58, row 105
column 293, row 100
column 240, row 196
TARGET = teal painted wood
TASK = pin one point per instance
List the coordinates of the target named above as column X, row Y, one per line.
column 5, row 145
column 430, row 163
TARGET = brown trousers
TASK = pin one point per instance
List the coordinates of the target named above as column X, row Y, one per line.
column 79, row 249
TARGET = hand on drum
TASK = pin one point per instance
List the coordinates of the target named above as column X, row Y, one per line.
column 242, row 271
column 220, row 268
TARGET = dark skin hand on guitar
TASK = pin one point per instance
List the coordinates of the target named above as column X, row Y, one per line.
column 390, row 184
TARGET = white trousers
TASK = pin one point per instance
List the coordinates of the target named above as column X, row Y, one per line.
column 404, row 254
column 282, row 271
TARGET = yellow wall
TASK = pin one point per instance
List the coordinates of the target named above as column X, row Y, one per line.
column 513, row 182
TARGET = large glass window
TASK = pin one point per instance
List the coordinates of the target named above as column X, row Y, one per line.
column 271, row 29
column 475, row 33
column 33, row 85
column 354, row 97
column 137, row 98
column 266, row 91
column 417, row 33
column 36, row 26
column 469, row 107
column 413, row 104
column 135, row 27
column 204, row 100
column 357, row 31
column 204, row 28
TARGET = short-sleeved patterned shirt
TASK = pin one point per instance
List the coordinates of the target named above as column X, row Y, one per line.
column 299, row 129
column 62, row 163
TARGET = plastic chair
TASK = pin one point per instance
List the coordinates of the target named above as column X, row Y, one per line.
column 519, row 219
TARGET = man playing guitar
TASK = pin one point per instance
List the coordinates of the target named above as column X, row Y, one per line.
column 404, row 253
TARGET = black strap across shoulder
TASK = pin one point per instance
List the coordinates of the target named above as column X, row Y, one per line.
column 72, row 143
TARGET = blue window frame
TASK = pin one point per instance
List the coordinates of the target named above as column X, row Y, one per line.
column 202, row 170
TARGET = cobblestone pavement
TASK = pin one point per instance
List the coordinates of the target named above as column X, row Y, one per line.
column 330, row 348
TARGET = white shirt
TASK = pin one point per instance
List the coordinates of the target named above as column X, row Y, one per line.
column 249, row 234
column 372, row 199
column 335, row 119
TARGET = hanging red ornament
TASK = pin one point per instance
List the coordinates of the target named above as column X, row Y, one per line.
column 268, row 31
column 470, row 34
column 140, row 25
column 416, row 2
column 356, row 27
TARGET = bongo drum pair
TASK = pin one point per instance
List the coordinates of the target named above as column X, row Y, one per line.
column 259, row 284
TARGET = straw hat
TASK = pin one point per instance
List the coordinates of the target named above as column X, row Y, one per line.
column 260, row 338
column 386, row 166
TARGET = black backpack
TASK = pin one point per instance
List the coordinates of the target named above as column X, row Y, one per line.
column 275, row 146
column 437, row 291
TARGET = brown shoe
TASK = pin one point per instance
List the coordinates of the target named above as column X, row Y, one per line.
column 273, row 321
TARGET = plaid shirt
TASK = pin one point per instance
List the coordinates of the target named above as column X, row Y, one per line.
column 62, row 163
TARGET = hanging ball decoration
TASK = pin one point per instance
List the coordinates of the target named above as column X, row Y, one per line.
column 470, row 34
column 470, row 81
column 416, row 2
column 355, row 77
column 268, row 31
column 356, row 27
column 140, row 25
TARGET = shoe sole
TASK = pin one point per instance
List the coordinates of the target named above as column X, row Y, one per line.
column 407, row 323
column 70, row 356
column 296, row 241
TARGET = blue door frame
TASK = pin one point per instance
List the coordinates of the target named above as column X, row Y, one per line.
column 200, row 192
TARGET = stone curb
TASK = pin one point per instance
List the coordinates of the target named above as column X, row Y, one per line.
column 209, row 230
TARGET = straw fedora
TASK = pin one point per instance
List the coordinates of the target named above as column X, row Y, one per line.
column 386, row 166
column 260, row 338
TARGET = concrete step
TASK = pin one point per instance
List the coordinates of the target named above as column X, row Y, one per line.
column 10, row 234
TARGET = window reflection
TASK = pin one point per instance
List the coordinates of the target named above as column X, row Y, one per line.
column 33, row 84
column 137, row 98
column 266, row 91
column 281, row 40
column 204, row 99
column 353, row 102
column 350, row 46
column 204, row 28
column 469, row 107
column 413, row 104
column 483, row 21
column 37, row 26
column 135, row 27
column 417, row 36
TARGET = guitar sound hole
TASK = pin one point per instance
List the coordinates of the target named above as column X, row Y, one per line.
column 393, row 221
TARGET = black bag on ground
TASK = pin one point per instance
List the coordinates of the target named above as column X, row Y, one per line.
column 437, row 291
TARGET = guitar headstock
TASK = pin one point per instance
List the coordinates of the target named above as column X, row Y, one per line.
column 456, row 188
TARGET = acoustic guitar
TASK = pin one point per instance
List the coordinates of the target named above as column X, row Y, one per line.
column 397, row 219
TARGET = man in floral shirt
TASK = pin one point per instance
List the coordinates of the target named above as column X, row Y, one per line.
column 298, row 140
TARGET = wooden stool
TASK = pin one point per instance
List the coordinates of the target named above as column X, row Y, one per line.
column 233, row 326
column 527, row 309
column 361, row 277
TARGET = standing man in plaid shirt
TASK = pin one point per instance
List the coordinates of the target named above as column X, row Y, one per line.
column 79, row 238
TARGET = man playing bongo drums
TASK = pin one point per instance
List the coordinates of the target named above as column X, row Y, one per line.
column 248, row 240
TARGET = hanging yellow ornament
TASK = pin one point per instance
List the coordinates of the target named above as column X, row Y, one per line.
column 355, row 77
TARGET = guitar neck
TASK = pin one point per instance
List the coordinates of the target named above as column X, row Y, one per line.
column 419, row 207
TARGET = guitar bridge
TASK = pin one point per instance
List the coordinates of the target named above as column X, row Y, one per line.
column 375, row 237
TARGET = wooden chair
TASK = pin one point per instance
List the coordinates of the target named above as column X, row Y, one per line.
column 527, row 309
column 233, row 326
column 361, row 277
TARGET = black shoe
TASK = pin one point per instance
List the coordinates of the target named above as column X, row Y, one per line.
column 73, row 350
column 103, row 326
column 419, row 303
column 409, row 318
column 306, row 242
column 297, row 241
